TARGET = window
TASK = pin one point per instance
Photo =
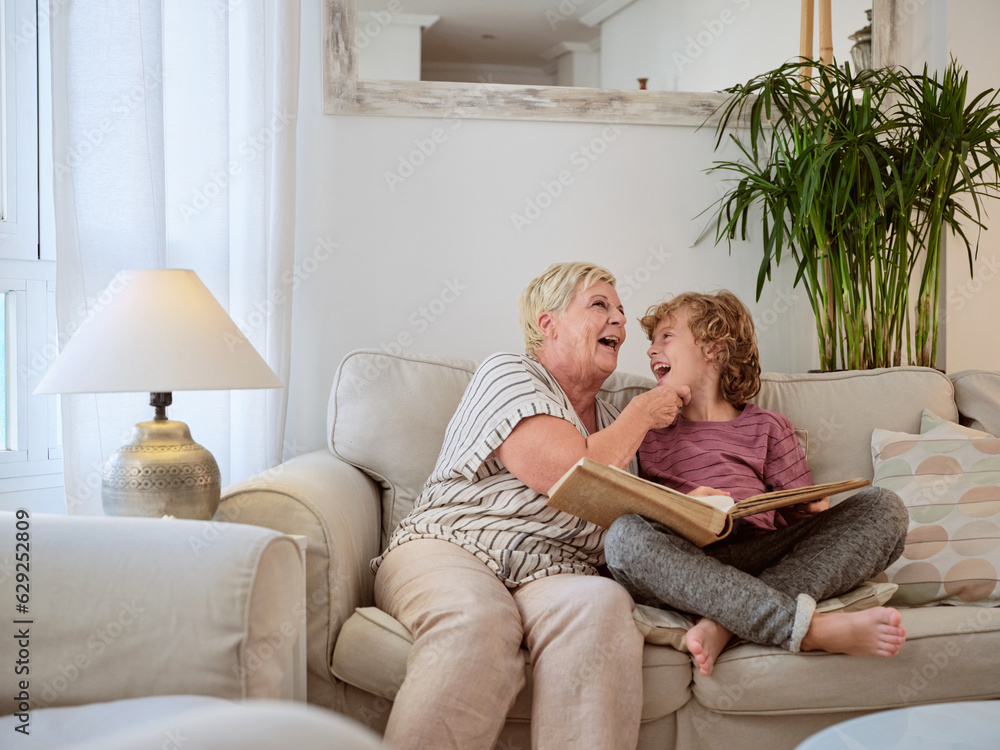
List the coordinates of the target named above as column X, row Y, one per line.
column 4, row 442
column 30, row 451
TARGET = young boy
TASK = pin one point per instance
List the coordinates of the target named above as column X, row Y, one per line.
column 763, row 581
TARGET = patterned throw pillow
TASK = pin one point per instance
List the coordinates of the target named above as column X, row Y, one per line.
column 950, row 482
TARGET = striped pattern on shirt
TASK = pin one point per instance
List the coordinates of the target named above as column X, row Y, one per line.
column 754, row 453
column 471, row 499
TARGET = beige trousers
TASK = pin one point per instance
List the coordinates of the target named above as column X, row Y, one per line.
column 465, row 668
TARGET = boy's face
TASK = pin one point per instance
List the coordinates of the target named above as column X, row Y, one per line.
column 676, row 358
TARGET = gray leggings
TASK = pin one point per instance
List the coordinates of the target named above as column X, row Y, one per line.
column 764, row 587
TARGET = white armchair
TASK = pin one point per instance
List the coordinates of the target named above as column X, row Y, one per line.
column 134, row 627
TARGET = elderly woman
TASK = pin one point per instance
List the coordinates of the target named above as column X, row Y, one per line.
column 482, row 565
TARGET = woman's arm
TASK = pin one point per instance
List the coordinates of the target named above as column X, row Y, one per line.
column 540, row 449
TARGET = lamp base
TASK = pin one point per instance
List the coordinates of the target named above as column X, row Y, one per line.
column 161, row 472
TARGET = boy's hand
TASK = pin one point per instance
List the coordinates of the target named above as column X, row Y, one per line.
column 804, row 510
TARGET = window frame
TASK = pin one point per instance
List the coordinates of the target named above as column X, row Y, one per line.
column 31, row 470
column 19, row 130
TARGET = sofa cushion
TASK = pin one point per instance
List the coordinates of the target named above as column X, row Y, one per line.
column 950, row 483
column 941, row 660
column 947, row 657
column 372, row 649
column 839, row 410
column 371, row 631
column 387, row 416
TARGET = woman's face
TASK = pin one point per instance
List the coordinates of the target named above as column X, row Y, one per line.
column 589, row 334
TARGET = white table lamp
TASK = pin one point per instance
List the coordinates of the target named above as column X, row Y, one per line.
column 162, row 331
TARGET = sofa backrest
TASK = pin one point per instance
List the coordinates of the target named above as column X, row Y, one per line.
column 388, row 413
column 839, row 410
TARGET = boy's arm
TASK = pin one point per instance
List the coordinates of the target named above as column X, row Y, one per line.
column 786, row 467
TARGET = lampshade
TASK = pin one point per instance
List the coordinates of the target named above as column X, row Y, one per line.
column 161, row 331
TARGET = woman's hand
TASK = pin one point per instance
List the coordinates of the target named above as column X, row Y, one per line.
column 661, row 404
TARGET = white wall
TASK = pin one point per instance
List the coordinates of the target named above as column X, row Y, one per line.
column 388, row 51
column 712, row 44
column 579, row 69
column 932, row 33
column 973, row 303
column 434, row 263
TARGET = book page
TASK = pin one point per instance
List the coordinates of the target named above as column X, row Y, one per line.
column 784, row 498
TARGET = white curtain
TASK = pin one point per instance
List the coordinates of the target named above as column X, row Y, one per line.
column 174, row 146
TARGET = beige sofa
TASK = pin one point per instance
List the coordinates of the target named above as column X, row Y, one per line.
column 387, row 415
column 141, row 632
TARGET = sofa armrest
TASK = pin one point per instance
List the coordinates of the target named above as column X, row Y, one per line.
column 133, row 607
column 337, row 508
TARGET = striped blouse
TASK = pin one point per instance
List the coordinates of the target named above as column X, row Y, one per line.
column 754, row 453
column 471, row 499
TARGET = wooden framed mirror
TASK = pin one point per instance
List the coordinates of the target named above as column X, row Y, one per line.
column 344, row 93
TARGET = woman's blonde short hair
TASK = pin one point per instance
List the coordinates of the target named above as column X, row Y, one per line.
column 719, row 318
column 552, row 292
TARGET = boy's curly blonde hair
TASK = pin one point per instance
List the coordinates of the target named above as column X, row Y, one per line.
column 719, row 318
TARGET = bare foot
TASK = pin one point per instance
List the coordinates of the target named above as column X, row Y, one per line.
column 870, row 632
column 705, row 641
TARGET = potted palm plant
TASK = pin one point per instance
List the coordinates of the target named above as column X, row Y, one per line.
column 856, row 176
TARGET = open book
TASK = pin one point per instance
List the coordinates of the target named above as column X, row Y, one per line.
column 600, row 494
